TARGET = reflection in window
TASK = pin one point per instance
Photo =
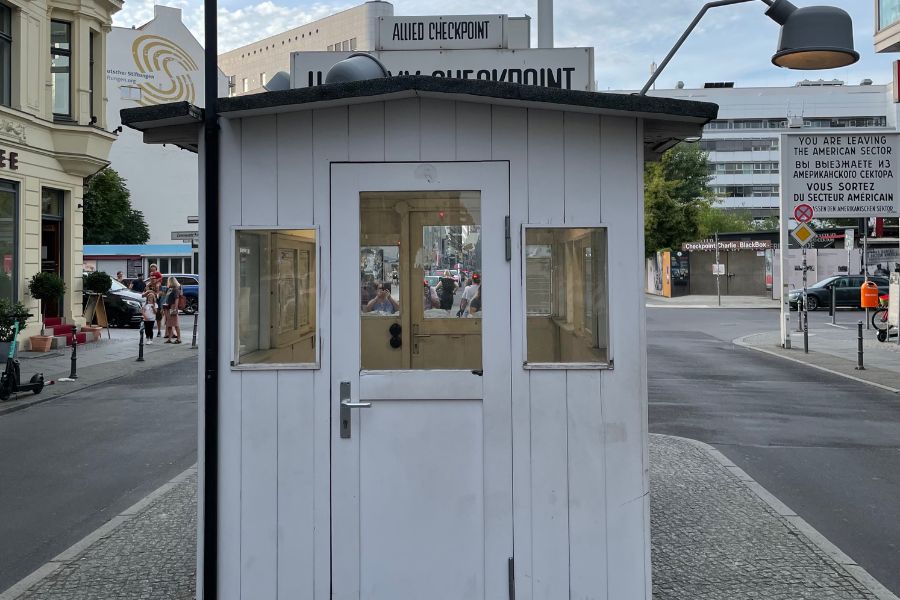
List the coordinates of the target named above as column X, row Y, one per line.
column 888, row 13
column 5, row 54
column 60, row 67
column 566, row 295
column 420, row 275
column 9, row 266
column 276, row 296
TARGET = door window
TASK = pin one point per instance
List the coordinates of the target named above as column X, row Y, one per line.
column 566, row 296
column 420, row 280
column 275, row 297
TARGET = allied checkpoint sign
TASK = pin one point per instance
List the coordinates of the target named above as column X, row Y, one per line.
column 841, row 175
column 834, row 175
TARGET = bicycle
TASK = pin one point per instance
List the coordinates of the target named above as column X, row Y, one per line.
column 880, row 318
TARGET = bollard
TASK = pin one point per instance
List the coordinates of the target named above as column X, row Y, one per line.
column 72, row 371
column 194, row 336
column 833, row 309
column 140, row 357
column 859, row 347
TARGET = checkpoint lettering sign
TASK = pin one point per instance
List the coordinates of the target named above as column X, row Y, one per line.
column 803, row 213
column 841, row 175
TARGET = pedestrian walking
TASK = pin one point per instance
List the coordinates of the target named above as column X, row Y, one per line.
column 148, row 311
column 446, row 289
column 468, row 294
column 171, row 304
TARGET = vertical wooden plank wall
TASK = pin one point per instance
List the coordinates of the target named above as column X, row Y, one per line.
column 229, row 551
column 295, row 432
column 549, row 420
column 259, row 389
column 624, row 419
column 587, row 475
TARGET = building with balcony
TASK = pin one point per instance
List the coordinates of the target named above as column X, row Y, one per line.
column 53, row 135
column 743, row 142
column 887, row 25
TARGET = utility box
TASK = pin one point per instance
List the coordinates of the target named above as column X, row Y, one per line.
column 432, row 341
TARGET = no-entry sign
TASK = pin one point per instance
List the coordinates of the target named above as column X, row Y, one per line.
column 803, row 213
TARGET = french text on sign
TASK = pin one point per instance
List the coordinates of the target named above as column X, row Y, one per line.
column 803, row 213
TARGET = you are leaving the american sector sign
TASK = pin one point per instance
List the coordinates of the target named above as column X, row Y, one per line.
column 840, row 175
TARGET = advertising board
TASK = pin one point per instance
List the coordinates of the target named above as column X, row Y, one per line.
column 840, row 175
column 564, row 68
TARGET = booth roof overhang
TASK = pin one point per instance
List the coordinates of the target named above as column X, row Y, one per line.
column 667, row 121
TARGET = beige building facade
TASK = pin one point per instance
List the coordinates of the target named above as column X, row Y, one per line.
column 250, row 67
column 52, row 136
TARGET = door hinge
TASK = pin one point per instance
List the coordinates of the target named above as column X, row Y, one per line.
column 508, row 240
column 511, row 569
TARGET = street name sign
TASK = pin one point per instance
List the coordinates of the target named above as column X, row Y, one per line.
column 841, row 175
column 561, row 68
column 804, row 234
column 186, row 236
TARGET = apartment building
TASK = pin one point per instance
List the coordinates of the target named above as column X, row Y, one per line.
column 53, row 134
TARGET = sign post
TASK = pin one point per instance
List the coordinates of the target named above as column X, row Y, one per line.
column 718, row 289
column 804, row 234
column 846, row 175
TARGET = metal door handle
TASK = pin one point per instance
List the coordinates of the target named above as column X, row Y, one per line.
column 349, row 404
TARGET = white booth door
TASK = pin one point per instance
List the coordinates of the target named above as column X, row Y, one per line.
column 421, row 456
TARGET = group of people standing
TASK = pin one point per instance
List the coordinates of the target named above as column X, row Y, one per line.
column 161, row 307
column 444, row 292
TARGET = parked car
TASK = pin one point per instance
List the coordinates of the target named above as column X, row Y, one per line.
column 190, row 287
column 846, row 291
column 123, row 307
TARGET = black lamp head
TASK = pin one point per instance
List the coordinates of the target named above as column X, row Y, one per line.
column 812, row 37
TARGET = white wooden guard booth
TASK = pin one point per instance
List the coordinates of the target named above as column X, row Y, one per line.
column 384, row 436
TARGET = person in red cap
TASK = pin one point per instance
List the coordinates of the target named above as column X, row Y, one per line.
column 469, row 294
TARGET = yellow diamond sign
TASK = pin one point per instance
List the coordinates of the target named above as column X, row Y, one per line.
column 803, row 234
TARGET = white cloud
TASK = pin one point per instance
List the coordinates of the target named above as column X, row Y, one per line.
column 731, row 43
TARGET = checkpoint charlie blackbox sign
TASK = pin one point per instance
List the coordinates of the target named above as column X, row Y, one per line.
column 840, row 175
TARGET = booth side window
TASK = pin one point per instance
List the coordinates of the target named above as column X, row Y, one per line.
column 566, row 295
column 276, row 296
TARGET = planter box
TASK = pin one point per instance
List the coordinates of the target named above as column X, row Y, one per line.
column 93, row 332
column 40, row 343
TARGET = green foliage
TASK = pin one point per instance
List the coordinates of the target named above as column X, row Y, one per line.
column 713, row 219
column 46, row 287
column 676, row 192
column 108, row 215
column 97, row 282
column 10, row 312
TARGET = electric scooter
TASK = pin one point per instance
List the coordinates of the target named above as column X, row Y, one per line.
column 10, row 380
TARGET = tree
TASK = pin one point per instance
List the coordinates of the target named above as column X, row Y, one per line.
column 676, row 192
column 108, row 215
column 713, row 219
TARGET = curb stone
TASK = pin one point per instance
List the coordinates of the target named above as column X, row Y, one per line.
column 72, row 553
column 741, row 342
column 812, row 534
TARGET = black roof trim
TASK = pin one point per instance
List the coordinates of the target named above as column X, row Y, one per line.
column 604, row 101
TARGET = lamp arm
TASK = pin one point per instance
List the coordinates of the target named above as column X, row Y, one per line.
column 685, row 35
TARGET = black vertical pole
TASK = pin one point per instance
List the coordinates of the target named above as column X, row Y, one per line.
column 210, row 231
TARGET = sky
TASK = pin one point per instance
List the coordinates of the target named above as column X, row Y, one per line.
column 731, row 43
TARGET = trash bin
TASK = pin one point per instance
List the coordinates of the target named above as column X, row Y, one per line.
column 868, row 295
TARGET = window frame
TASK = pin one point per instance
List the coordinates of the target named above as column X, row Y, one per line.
column 6, row 38
column 14, row 186
column 54, row 52
column 566, row 366
column 234, row 360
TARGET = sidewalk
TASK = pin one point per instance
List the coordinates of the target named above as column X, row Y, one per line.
column 114, row 356
column 716, row 534
column 695, row 301
column 834, row 349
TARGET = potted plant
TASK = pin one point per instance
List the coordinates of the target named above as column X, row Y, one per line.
column 47, row 288
column 10, row 312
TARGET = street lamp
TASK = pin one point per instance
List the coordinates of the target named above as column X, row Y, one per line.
column 813, row 37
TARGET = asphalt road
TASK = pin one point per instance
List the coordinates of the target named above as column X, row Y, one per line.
column 826, row 446
column 69, row 465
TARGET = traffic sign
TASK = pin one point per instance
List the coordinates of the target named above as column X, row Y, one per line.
column 804, row 234
column 803, row 213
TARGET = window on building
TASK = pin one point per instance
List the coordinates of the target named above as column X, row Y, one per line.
column 263, row 79
column 9, row 268
column 92, row 77
column 275, row 297
column 5, row 55
column 566, row 296
column 353, row 44
column 245, row 85
column 331, row 47
column 61, row 67
column 345, row 45
column 888, row 13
